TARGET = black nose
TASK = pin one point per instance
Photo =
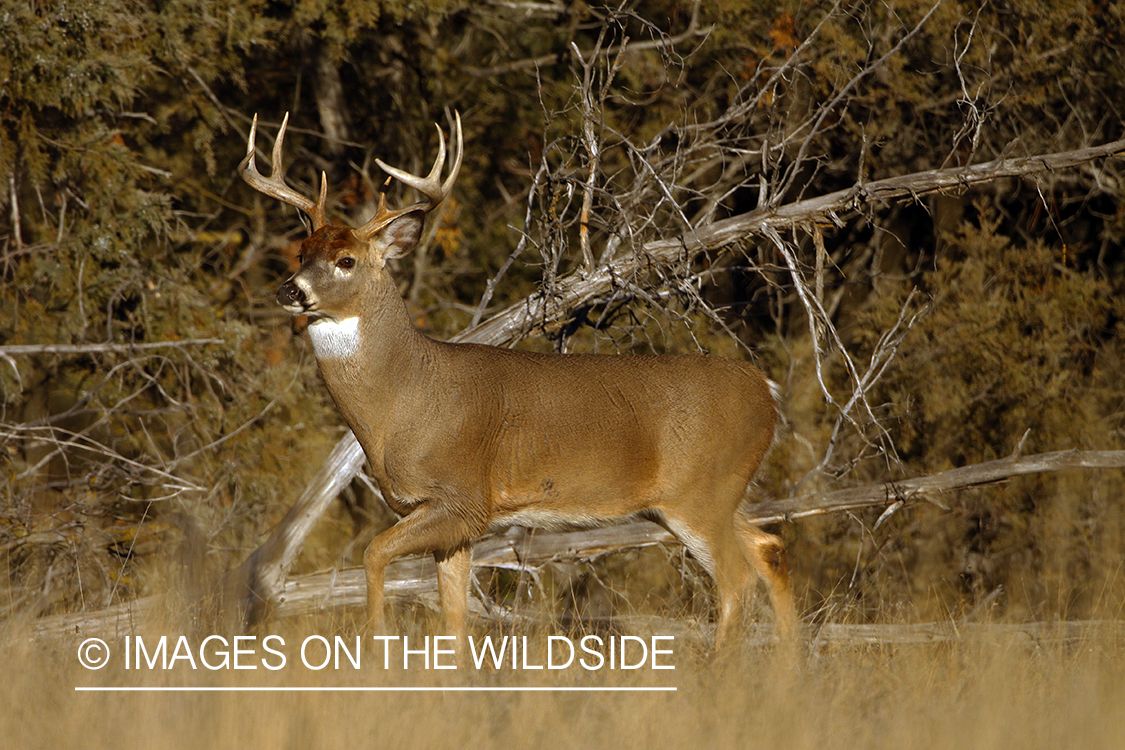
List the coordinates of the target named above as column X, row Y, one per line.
column 290, row 294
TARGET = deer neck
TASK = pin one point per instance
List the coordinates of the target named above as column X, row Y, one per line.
column 370, row 362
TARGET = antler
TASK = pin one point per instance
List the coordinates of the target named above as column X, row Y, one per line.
column 429, row 186
column 275, row 186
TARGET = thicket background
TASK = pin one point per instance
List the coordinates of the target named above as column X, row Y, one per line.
column 126, row 471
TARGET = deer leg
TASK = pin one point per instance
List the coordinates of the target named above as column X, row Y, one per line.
column 732, row 571
column 717, row 550
column 453, row 571
column 766, row 553
column 428, row 528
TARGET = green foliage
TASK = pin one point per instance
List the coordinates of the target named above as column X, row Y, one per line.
column 1015, row 341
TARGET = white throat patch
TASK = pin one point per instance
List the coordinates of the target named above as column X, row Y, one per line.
column 334, row 339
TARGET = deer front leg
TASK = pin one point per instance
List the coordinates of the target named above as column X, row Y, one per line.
column 453, row 571
column 427, row 529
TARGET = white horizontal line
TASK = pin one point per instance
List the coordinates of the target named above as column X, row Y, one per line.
column 290, row 689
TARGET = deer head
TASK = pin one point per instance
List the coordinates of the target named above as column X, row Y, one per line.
column 341, row 268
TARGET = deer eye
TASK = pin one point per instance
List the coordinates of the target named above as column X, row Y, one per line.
column 346, row 263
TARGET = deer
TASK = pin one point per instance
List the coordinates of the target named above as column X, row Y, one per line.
column 463, row 439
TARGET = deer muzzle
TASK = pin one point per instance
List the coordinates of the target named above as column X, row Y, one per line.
column 291, row 297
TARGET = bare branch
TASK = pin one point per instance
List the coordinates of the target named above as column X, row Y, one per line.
column 829, row 108
column 416, row 576
column 925, row 488
column 28, row 350
column 263, row 575
column 573, row 291
column 320, row 591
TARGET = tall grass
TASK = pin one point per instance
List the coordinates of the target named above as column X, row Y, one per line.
column 1008, row 693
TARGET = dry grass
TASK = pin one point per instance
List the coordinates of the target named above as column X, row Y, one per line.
column 1002, row 694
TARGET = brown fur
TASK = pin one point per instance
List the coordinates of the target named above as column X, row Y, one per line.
column 462, row 438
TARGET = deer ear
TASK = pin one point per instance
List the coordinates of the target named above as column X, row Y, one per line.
column 400, row 236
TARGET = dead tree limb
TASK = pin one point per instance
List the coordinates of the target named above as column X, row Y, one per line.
column 414, row 578
column 407, row 579
column 263, row 574
column 925, row 488
column 27, row 350
column 306, row 594
column 576, row 290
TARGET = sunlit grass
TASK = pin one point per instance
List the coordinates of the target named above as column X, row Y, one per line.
column 1008, row 692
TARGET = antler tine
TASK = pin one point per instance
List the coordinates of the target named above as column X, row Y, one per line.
column 448, row 184
column 275, row 186
column 430, row 186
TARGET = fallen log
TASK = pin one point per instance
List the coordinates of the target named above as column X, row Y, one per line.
column 414, row 578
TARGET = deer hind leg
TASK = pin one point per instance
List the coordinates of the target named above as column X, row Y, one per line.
column 428, row 529
column 766, row 553
column 717, row 549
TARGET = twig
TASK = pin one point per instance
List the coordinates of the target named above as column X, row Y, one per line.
column 797, row 166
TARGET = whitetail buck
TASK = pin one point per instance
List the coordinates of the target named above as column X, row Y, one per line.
column 463, row 438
